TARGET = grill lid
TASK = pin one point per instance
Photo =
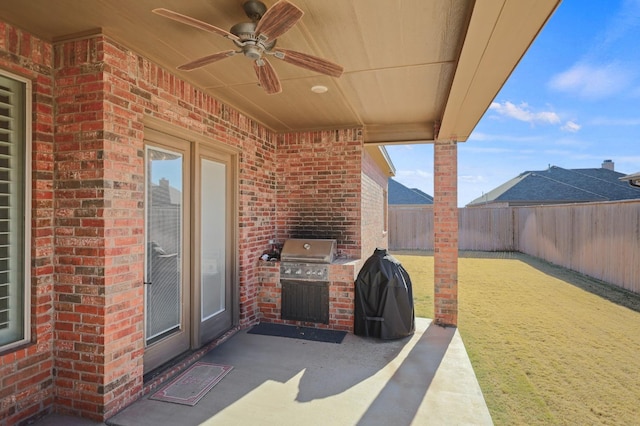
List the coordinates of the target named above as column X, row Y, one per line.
column 308, row 250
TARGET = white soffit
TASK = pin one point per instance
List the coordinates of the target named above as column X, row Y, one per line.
column 499, row 34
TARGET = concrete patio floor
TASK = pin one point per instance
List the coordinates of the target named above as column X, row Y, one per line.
column 425, row 379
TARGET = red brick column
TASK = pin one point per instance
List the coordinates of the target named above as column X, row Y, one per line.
column 98, row 295
column 445, row 222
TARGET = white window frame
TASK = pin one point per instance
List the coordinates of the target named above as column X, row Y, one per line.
column 26, row 220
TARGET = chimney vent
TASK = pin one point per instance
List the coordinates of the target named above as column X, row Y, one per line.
column 608, row 164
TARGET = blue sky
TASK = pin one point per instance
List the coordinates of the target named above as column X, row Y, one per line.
column 573, row 101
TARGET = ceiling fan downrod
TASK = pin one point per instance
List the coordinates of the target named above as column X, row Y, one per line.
column 254, row 9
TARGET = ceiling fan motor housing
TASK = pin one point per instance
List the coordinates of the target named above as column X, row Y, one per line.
column 252, row 47
column 245, row 31
column 254, row 9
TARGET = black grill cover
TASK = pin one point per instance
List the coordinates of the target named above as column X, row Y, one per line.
column 384, row 299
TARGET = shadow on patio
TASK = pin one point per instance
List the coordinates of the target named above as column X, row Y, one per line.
column 423, row 379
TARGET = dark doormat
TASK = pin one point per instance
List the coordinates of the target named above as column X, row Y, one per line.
column 305, row 333
column 194, row 383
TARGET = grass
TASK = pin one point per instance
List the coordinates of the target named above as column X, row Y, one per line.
column 549, row 346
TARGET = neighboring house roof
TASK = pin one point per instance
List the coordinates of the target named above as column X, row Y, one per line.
column 634, row 179
column 557, row 185
column 400, row 194
column 164, row 194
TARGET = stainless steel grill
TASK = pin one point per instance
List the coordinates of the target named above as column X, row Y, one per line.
column 304, row 277
column 308, row 250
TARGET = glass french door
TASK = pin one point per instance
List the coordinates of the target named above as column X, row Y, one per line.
column 166, row 281
column 190, row 294
column 215, row 233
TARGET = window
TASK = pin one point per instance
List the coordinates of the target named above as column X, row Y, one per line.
column 14, row 192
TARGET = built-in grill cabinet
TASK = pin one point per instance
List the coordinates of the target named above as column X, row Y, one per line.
column 304, row 278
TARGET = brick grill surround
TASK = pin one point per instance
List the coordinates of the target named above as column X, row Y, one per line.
column 341, row 295
column 319, row 188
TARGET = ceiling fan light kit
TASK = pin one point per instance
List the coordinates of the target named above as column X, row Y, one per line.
column 257, row 39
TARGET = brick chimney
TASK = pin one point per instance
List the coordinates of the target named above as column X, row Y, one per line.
column 608, row 164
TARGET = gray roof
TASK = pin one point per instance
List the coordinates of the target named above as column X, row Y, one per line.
column 400, row 194
column 557, row 185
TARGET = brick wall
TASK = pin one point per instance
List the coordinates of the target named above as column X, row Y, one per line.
column 318, row 190
column 26, row 386
column 374, row 187
column 87, row 209
column 445, row 223
column 342, row 295
column 104, row 93
column 99, row 240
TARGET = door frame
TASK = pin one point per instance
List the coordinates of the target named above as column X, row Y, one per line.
column 212, row 152
column 154, row 129
column 180, row 341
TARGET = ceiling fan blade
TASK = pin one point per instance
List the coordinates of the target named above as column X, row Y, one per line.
column 309, row 62
column 194, row 22
column 277, row 20
column 206, row 60
column 267, row 76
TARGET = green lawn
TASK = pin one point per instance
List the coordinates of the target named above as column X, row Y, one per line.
column 549, row 346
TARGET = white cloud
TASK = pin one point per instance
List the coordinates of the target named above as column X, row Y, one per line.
column 416, row 178
column 557, row 153
column 573, row 143
column 486, row 150
column 632, row 160
column 479, row 136
column 522, row 112
column 415, row 174
column 472, row 179
column 571, row 126
column 608, row 121
column 623, row 24
column 593, row 81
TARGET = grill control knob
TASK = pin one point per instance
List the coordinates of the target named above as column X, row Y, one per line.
column 287, row 271
column 299, row 272
column 308, row 272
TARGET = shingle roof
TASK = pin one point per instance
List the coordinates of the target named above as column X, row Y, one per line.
column 400, row 194
column 557, row 185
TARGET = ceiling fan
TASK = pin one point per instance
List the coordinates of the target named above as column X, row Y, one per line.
column 257, row 39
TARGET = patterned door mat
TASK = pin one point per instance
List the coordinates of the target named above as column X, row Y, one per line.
column 194, row 383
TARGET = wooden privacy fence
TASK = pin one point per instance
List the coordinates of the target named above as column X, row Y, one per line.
column 601, row 240
column 411, row 228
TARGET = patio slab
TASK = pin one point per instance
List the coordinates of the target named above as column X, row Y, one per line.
column 425, row 379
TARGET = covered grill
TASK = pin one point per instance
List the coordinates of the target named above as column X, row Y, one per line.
column 384, row 298
column 304, row 278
